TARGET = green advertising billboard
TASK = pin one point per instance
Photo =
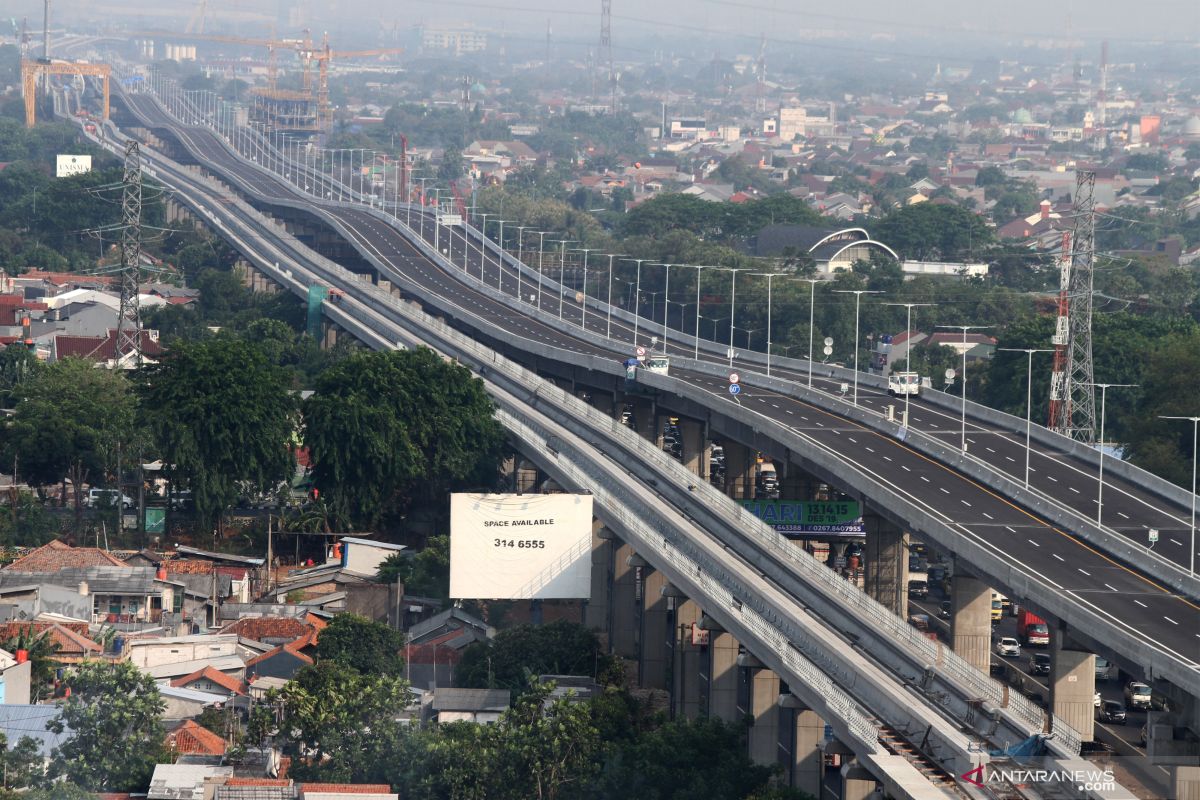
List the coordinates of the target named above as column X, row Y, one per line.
column 801, row 517
column 155, row 519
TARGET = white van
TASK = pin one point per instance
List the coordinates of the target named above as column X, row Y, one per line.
column 902, row 383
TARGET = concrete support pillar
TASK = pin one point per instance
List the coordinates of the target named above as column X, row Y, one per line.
column 971, row 621
column 595, row 609
column 764, row 706
column 623, row 602
column 808, row 761
column 857, row 782
column 685, row 665
column 695, row 454
column 1186, row 783
column 655, row 638
column 739, row 471
column 1073, row 686
column 644, row 417
column 795, row 483
column 887, row 564
column 723, row 676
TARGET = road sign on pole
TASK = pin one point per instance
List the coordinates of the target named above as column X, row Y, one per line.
column 734, row 377
column 735, row 388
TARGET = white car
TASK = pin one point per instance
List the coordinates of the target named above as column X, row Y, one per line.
column 106, row 498
column 1008, row 646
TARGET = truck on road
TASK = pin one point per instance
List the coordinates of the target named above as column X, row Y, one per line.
column 1032, row 629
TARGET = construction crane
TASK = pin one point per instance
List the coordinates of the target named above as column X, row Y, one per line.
column 323, row 57
column 31, row 71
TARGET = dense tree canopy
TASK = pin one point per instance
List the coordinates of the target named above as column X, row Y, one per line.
column 515, row 654
column 384, row 427
column 115, row 733
column 222, row 419
column 362, row 644
column 934, row 232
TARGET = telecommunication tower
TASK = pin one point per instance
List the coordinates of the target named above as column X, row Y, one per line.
column 760, row 100
column 1072, row 393
column 606, row 51
column 129, row 325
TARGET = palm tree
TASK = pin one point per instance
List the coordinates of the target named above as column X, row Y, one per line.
column 41, row 649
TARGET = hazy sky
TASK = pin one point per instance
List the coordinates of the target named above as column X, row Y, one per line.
column 782, row 21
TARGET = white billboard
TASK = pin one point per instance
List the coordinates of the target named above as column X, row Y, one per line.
column 73, row 165
column 520, row 546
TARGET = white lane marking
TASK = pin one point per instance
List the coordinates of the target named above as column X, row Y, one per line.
column 1140, row 603
column 887, row 458
column 1031, row 541
column 1110, row 586
column 1010, row 458
column 869, row 450
column 1085, row 572
column 906, row 469
column 989, row 516
column 1051, row 477
column 1122, row 515
column 965, row 503
column 1073, row 489
column 1056, row 555
column 1011, row 530
column 1176, row 541
column 990, row 450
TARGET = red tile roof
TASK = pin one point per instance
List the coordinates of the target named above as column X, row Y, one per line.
column 66, row 278
column 345, row 788
column 99, row 348
column 235, row 781
column 289, row 648
column 191, row 737
column 212, row 675
column 264, row 628
column 58, row 555
column 71, row 643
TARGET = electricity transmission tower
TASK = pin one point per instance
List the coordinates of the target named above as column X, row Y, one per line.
column 606, row 51
column 129, row 326
column 1075, row 414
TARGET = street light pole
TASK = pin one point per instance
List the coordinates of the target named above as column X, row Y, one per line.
column 1195, row 440
column 699, row 268
column 964, row 329
column 562, row 272
column 1104, row 387
column 908, row 353
column 812, row 307
column 583, row 313
column 482, row 243
column 520, row 252
column 1028, row 399
column 667, row 304
column 541, row 251
column 608, row 329
column 500, row 262
column 858, row 293
column 637, row 297
column 732, row 311
column 769, row 276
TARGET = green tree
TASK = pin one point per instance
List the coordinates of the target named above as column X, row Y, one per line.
column 932, row 231
column 387, row 425
column 683, row 759
column 222, row 418
column 113, row 720
column 21, row 765
column 41, row 649
column 426, row 574
column 362, row 644
column 339, row 725
column 18, row 364
column 990, row 176
column 515, row 654
column 72, row 420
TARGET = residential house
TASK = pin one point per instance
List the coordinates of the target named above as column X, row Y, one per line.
column 15, row 678
column 58, row 555
column 346, row 791
column 435, row 646
column 976, row 345
column 185, row 781
column 212, row 681
column 274, row 631
column 181, row 703
column 102, row 348
column 129, row 598
column 234, row 666
column 150, row 652
column 280, row 662
column 191, row 737
column 363, row 556
column 446, row 704
column 29, row 601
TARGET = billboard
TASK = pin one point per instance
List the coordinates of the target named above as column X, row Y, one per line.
column 798, row 517
column 72, row 165
column 520, row 546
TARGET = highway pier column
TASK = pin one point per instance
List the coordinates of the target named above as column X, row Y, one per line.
column 764, row 707
column 685, row 662
column 739, row 471
column 1072, row 686
column 807, row 732
column 695, row 454
column 722, row 675
column 886, row 554
column 596, row 608
column 971, row 621
column 655, row 639
column 857, row 781
column 623, row 602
